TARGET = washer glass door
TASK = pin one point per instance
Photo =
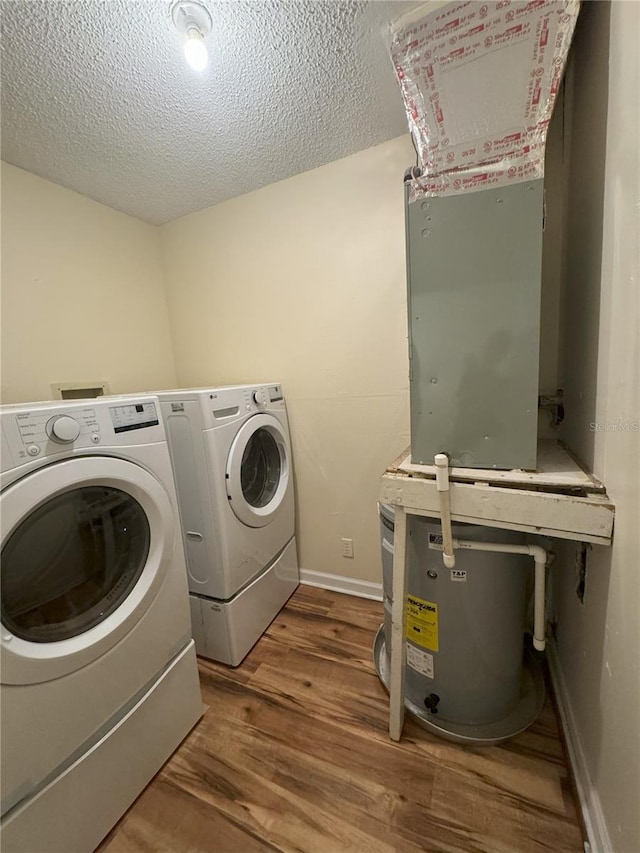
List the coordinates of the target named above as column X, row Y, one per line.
column 71, row 562
column 87, row 543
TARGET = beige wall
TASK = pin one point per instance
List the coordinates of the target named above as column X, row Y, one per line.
column 303, row 282
column 599, row 641
column 82, row 293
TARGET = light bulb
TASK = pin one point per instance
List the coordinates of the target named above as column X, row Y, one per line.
column 195, row 51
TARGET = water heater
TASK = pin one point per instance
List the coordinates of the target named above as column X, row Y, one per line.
column 469, row 674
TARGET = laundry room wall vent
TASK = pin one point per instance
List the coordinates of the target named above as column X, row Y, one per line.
column 79, row 390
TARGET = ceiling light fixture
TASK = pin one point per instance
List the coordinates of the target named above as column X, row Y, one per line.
column 193, row 22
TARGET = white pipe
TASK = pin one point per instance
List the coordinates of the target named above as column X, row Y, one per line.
column 442, row 484
column 540, row 557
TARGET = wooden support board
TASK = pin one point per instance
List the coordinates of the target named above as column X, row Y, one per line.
column 559, row 500
column 585, row 518
column 557, row 471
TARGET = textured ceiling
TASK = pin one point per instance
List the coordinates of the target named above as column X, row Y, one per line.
column 96, row 96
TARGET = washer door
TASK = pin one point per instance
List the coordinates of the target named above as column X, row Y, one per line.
column 258, row 470
column 86, row 544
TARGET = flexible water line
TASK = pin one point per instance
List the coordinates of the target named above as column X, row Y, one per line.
column 442, row 484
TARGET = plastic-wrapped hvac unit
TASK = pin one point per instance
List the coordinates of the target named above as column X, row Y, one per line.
column 479, row 82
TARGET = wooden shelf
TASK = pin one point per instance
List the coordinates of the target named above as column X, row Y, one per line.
column 558, row 471
column 560, row 499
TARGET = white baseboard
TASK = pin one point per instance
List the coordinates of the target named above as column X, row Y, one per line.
column 595, row 824
column 340, row 583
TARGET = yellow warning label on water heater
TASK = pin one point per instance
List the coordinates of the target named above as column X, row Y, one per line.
column 422, row 622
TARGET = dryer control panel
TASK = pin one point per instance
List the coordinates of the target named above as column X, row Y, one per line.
column 263, row 397
column 225, row 403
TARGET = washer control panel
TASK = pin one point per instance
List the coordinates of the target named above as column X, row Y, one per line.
column 39, row 426
column 134, row 416
column 44, row 430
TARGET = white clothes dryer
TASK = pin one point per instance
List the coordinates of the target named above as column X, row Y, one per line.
column 231, row 455
column 99, row 679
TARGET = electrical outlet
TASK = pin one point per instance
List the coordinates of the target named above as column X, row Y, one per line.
column 347, row 548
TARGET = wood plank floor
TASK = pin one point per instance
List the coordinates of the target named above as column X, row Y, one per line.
column 293, row 755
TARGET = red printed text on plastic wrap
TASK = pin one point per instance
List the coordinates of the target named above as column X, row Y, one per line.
column 479, row 82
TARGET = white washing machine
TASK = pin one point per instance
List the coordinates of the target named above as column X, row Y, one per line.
column 99, row 680
column 231, row 457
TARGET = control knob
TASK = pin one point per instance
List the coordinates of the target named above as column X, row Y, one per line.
column 261, row 397
column 63, row 429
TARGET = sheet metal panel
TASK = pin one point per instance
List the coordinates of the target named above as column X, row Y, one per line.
column 474, row 265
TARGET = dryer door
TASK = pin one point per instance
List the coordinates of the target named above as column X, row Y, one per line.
column 86, row 544
column 258, row 470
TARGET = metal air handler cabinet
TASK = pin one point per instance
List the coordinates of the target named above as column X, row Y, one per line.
column 474, row 268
